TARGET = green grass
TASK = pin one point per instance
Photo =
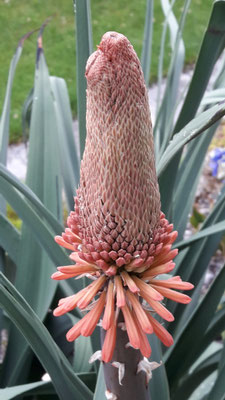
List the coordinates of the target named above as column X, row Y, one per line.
column 127, row 17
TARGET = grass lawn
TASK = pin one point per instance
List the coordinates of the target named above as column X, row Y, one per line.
column 127, row 16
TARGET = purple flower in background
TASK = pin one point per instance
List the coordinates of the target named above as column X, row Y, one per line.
column 217, row 162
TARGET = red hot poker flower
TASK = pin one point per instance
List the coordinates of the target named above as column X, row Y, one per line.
column 118, row 236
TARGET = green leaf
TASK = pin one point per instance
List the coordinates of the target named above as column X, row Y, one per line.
column 211, row 48
column 211, row 230
column 100, row 386
column 159, row 377
column 12, row 180
column 194, row 128
column 193, row 380
column 197, row 258
column 184, row 347
column 40, row 229
column 26, row 114
column 43, row 177
column 5, row 117
column 10, row 238
column 66, row 383
column 70, row 162
column 147, row 41
column 186, row 182
column 212, row 45
column 192, row 262
column 215, row 328
column 213, row 96
column 58, row 327
column 218, row 390
column 43, row 234
column 34, row 388
column 84, row 48
column 82, row 350
column 197, row 218
column 165, row 116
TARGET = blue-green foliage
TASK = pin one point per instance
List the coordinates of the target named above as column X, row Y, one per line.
column 27, row 258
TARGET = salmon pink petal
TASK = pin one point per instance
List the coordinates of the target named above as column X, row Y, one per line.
column 120, row 295
column 145, row 347
column 170, row 238
column 77, row 269
column 58, row 276
column 165, row 257
column 75, row 257
column 75, row 331
column 161, row 310
column 76, row 297
column 93, row 316
column 63, row 243
column 173, row 283
column 140, row 313
column 69, row 303
column 109, row 313
column 72, row 236
column 132, row 331
column 93, row 290
column 160, row 269
column 129, row 282
column 146, row 291
column 160, row 331
column 137, row 262
column 109, row 344
column 173, row 295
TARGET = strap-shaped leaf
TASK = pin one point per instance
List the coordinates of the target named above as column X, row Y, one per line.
column 34, row 388
column 194, row 128
column 147, row 42
column 159, row 378
column 196, row 377
column 100, row 386
column 13, row 181
column 68, row 150
column 5, row 116
column 218, row 390
column 211, row 230
column 184, row 347
column 84, row 48
column 42, row 232
column 164, row 121
column 192, row 262
column 9, row 238
column 212, row 45
column 43, row 177
column 65, row 381
column 186, row 183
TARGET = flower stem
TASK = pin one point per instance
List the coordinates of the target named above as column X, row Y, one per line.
column 133, row 386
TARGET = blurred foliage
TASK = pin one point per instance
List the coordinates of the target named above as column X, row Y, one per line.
column 197, row 218
column 13, row 217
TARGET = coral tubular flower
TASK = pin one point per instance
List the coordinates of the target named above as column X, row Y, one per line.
column 117, row 233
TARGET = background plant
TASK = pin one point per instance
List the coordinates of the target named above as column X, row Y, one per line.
column 35, row 340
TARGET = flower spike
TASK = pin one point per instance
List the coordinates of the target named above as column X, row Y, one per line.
column 118, row 235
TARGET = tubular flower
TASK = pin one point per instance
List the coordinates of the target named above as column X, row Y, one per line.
column 118, row 235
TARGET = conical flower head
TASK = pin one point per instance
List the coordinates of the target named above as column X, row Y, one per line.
column 118, row 202
column 119, row 237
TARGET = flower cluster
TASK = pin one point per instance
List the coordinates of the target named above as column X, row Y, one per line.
column 118, row 236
